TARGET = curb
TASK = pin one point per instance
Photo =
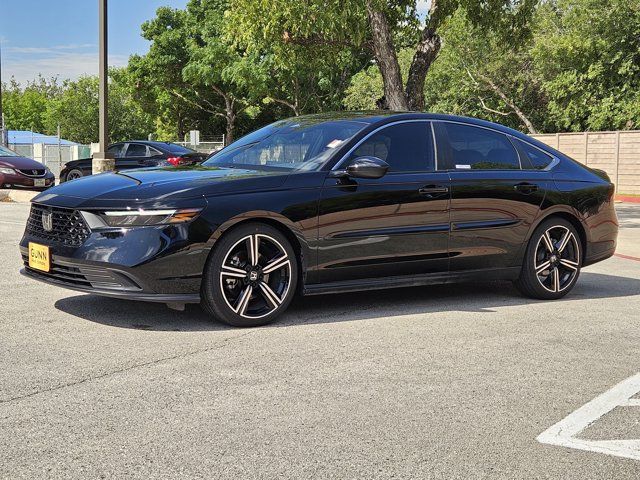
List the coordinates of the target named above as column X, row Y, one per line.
column 626, row 257
column 627, row 199
column 21, row 196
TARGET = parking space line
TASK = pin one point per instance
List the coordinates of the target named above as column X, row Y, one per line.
column 565, row 432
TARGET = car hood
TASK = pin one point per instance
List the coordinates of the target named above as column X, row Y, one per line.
column 22, row 163
column 157, row 187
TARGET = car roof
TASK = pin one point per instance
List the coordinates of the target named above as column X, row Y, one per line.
column 381, row 117
column 153, row 143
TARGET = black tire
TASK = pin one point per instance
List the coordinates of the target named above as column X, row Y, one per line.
column 555, row 280
column 74, row 174
column 271, row 289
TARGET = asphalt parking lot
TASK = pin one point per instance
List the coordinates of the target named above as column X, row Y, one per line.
column 429, row 382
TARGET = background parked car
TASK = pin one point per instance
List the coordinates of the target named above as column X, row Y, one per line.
column 137, row 154
column 23, row 172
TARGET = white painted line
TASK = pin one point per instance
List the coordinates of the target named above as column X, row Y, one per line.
column 564, row 432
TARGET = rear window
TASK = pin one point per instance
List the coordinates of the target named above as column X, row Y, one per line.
column 5, row 152
column 179, row 149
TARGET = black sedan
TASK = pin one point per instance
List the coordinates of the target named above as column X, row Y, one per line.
column 22, row 172
column 137, row 154
column 324, row 204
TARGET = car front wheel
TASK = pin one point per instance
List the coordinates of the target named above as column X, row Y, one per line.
column 552, row 262
column 74, row 174
column 250, row 277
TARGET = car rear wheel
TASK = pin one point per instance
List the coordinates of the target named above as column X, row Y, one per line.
column 250, row 277
column 74, row 174
column 552, row 262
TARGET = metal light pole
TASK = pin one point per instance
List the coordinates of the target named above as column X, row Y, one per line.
column 3, row 132
column 102, row 160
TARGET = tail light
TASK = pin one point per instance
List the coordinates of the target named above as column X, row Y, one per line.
column 175, row 161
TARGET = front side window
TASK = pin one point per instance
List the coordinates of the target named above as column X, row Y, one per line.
column 406, row 147
column 539, row 160
column 465, row 147
column 301, row 146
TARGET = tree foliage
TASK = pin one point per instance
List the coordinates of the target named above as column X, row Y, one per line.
column 223, row 66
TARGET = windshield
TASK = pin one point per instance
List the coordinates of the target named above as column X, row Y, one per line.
column 5, row 152
column 293, row 146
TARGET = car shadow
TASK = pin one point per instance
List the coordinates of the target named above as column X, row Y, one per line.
column 470, row 297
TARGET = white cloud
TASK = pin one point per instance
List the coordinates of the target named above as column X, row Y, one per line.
column 62, row 61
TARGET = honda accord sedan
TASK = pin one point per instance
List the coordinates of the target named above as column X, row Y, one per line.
column 328, row 204
column 22, row 172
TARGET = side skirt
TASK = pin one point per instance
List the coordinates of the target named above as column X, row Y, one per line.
column 483, row 275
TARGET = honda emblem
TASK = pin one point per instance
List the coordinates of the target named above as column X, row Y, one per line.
column 47, row 221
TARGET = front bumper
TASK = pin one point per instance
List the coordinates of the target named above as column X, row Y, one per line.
column 107, row 292
column 25, row 182
column 158, row 264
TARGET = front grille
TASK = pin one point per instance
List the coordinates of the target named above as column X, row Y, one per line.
column 33, row 172
column 67, row 226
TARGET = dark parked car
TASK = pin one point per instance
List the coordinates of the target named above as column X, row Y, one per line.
column 329, row 204
column 137, row 154
column 23, row 172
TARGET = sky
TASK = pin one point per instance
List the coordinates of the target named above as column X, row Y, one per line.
column 60, row 37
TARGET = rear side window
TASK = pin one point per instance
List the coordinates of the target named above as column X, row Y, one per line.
column 538, row 159
column 136, row 150
column 465, row 147
column 406, row 147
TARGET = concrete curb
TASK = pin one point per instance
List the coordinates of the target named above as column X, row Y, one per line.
column 627, row 199
column 21, row 196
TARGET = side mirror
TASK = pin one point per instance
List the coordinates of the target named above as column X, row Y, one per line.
column 367, row 167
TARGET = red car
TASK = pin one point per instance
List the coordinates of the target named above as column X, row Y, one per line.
column 22, row 172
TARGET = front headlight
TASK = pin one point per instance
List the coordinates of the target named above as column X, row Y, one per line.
column 7, row 171
column 140, row 218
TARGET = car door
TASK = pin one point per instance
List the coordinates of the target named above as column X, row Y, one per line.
column 135, row 156
column 494, row 201
column 394, row 225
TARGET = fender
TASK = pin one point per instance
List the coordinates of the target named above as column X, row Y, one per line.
column 294, row 229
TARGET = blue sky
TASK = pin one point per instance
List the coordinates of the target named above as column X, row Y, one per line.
column 59, row 37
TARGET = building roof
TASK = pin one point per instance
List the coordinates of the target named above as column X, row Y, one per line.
column 25, row 137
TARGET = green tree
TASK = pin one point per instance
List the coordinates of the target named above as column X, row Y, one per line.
column 75, row 109
column 24, row 107
column 587, row 53
column 383, row 27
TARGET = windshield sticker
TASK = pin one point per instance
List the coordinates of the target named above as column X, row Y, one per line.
column 463, row 167
column 334, row 143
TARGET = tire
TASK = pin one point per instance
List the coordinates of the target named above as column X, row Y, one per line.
column 552, row 262
column 74, row 174
column 241, row 291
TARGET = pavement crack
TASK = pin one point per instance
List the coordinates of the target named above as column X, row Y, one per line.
column 150, row 363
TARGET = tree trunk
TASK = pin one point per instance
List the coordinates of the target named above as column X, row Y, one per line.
column 230, row 116
column 426, row 52
column 386, row 58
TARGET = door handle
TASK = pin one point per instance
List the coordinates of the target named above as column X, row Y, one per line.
column 432, row 189
column 526, row 187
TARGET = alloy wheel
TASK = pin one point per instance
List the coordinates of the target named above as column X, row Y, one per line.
column 557, row 258
column 255, row 276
